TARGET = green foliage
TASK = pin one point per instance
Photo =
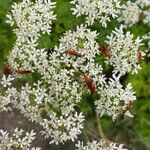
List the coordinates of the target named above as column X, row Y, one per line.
column 141, row 108
column 15, row 147
column 6, row 36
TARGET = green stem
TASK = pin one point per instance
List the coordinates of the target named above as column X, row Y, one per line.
column 100, row 130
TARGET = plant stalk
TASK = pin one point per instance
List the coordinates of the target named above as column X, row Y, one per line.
column 100, row 130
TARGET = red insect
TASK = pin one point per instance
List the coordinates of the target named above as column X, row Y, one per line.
column 23, row 71
column 73, row 52
column 139, row 57
column 129, row 105
column 104, row 50
column 7, row 70
column 89, row 83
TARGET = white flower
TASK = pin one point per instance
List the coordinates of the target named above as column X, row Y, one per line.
column 69, row 63
column 128, row 114
column 115, row 146
column 6, row 80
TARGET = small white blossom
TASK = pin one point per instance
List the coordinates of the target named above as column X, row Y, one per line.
column 6, row 80
column 35, row 103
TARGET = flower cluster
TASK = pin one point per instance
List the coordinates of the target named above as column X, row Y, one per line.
column 67, row 73
column 99, row 145
column 125, row 51
column 74, row 58
column 133, row 12
column 37, row 105
column 65, row 77
column 71, row 123
column 101, row 10
column 18, row 140
column 114, row 99
column 70, row 70
column 130, row 14
column 30, row 20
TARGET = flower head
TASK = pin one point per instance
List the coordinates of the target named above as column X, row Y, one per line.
column 130, row 13
column 6, row 80
column 124, row 51
column 96, row 10
column 114, row 99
